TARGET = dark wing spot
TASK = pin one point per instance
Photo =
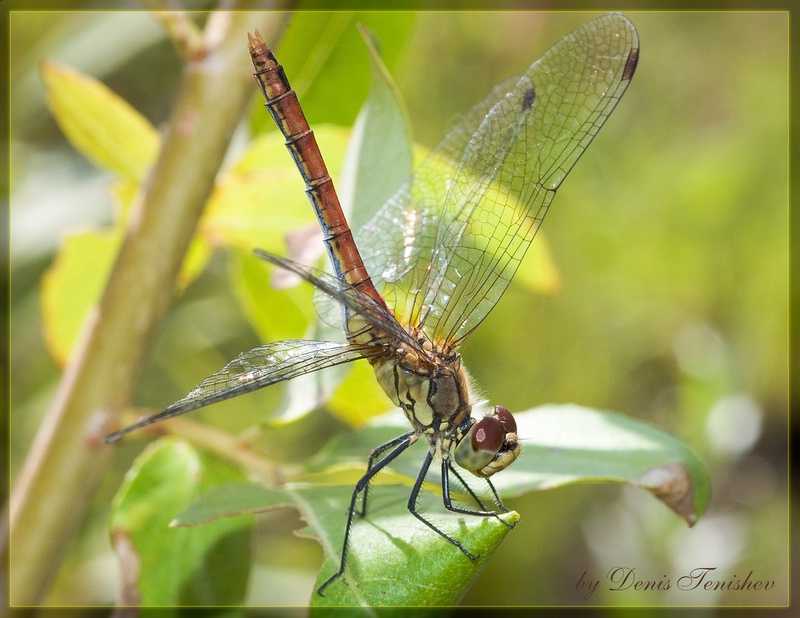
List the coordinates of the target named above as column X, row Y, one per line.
column 527, row 100
column 630, row 65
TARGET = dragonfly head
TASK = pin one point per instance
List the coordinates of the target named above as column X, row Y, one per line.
column 490, row 444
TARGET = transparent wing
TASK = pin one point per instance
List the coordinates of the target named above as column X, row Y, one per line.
column 398, row 243
column 377, row 326
column 257, row 368
column 443, row 250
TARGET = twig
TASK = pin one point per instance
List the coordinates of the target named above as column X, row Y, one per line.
column 65, row 465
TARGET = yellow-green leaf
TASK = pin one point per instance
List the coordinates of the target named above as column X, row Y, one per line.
column 538, row 271
column 194, row 262
column 99, row 124
column 72, row 285
column 262, row 197
column 359, row 398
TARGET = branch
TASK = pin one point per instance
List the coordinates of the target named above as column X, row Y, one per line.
column 66, row 463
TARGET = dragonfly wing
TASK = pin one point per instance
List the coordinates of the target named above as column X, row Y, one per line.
column 257, row 368
column 398, row 243
column 493, row 213
column 526, row 143
column 381, row 326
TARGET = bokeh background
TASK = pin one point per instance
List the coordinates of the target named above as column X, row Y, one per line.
column 671, row 243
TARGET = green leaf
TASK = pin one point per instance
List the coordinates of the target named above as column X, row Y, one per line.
column 562, row 445
column 394, row 559
column 262, row 198
column 324, row 60
column 75, row 280
column 379, row 155
column 105, row 129
column 566, row 444
column 232, row 500
column 194, row 262
column 165, row 565
column 359, row 398
column 538, row 271
column 99, row 124
column 71, row 285
column 274, row 314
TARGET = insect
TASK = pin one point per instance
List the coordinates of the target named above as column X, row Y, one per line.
column 437, row 257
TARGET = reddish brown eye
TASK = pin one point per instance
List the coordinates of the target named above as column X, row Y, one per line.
column 487, row 435
column 479, row 446
column 506, row 418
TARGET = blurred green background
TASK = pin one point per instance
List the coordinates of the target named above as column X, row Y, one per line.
column 670, row 237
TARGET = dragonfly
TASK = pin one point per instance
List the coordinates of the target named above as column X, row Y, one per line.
column 436, row 258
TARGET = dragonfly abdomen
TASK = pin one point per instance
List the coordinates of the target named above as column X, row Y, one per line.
column 283, row 106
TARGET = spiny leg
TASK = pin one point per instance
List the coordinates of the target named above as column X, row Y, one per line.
column 412, row 507
column 495, row 496
column 376, row 453
column 466, row 486
column 448, row 502
column 401, row 443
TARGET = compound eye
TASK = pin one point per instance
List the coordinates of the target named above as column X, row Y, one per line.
column 506, row 419
column 480, row 444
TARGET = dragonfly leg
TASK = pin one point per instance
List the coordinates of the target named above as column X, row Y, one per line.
column 412, row 507
column 399, row 444
column 467, row 487
column 495, row 496
column 448, row 502
column 377, row 453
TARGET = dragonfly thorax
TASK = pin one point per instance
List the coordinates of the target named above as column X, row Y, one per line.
column 432, row 391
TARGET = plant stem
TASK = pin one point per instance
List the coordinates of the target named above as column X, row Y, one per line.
column 66, row 463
